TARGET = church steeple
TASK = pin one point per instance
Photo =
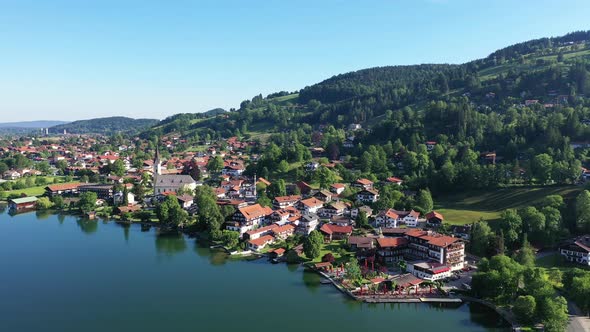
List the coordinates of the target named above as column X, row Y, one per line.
column 157, row 162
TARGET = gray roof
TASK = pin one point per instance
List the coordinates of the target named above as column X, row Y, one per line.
column 174, row 180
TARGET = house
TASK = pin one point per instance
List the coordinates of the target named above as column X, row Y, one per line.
column 394, row 180
column 363, row 184
column 356, row 211
column 337, row 188
column 429, row 245
column 434, row 218
column 577, row 250
column 307, row 223
column 311, row 166
column 430, row 145
column 304, row 187
column 284, row 231
column 358, row 243
column 391, row 249
column 335, row 232
column 341, row 221
column 332, row 209
column 23, row 203
column 461, row 231
column 260, row 232
column 186, row 201
column 310, row 205
column 11, row 175
column 348, row 143
column 394, row 232
column 249, row 217
column 260, row 242
column 281, row 202
column 62, row 189
column 324, row 195
column 120, row 210
column 368, row 196
column 388, row 219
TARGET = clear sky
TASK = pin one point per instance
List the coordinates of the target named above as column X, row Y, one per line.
column 79, row 59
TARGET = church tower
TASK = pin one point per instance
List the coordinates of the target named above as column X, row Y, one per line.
column 157, row 163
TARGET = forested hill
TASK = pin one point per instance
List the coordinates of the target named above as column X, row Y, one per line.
column 107, row 125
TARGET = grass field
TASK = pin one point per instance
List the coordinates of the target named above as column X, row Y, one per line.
column 468, row 207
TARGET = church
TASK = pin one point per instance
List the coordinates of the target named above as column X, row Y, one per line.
column 170, row 182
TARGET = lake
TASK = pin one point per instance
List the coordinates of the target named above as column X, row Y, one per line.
column 63, row 273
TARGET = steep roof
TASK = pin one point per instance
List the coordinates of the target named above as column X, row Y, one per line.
column 255, row 211
column 389, row 242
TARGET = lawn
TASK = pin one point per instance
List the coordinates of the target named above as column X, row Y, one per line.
column 469, row 206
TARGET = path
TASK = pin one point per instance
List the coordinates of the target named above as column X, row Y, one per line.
column 578, row 322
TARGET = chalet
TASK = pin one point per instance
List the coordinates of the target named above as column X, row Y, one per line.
column 233, row 169
column 444, row 249
column 430, row 145
column 341, row 221
column 363, row 184
column 577, row 250
column 62, row 189
column 391, row 249
column 281, row 202
column 394, row 180
column 307, row 223
column 260, row 242
column 332, row 209
column 434, row 218
column 337, row 188
column 361, row 242
column 284, row 231
column 368, row 196
column 249, row 217
column 394, row 232
column 121, row 210
column 388, row 218
column 23, row 203
column 324, row 195
column 310, row 205
column 280, row 216
column 312, row 166
column 304, row 187
column 356, row 211
column 335, row 232
column 185, row 201
column 259, row 232
column 461, row 231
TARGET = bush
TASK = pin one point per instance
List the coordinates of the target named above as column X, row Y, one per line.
column 328, row 258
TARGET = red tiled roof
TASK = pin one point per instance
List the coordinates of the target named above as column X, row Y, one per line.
column 262, row 240
column 63, row 186
column 331, row 229
column 255, row 211
column 434, row 214
column 386, row 242
column 364, row 181
column 312, row 202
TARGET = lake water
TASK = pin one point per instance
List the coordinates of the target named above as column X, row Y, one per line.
column 61, row 273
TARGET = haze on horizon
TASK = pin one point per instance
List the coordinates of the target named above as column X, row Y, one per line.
column 71, row 60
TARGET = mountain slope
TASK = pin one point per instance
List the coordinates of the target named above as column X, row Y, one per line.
column 104, row 125
column 32, row 124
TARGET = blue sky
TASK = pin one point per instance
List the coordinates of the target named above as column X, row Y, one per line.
column 68, row 60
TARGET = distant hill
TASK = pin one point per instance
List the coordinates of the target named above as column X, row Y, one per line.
column 32, row 124
column 104, row 125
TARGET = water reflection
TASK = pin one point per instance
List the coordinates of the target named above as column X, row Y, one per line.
column 170, row 243
column 2, row 209
column 311, row 280
column 43, row 214
column 61, row 217
column 485, row 316
column 87, row 226
column 292, row 267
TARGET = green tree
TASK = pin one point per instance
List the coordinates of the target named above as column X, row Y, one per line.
column 325, row 177
column 230, row 238
column 583, row 211
column 525, row 255
column 118, row 167
column 87, row 201
column 58, row 202
column 215, row 164
column 353, row 270
column 209, row 214
column 312, row 244
column 481, row 238
column 524, row 308
column 541, row 167
column 512, row 225
column 554, row 314
column 170, row 211
column 44, row 203
column 424, row 200
column 362, row 220
column 278, row 188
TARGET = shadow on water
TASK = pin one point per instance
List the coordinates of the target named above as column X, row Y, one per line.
column 87, row 226
column 216, row 256
column 170, row 243
column 125, row 227
column 3, row 209
column 61, row 217
column 292, row 267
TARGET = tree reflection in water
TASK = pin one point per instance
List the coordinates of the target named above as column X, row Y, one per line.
column 170, row 243
column 87, row 226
